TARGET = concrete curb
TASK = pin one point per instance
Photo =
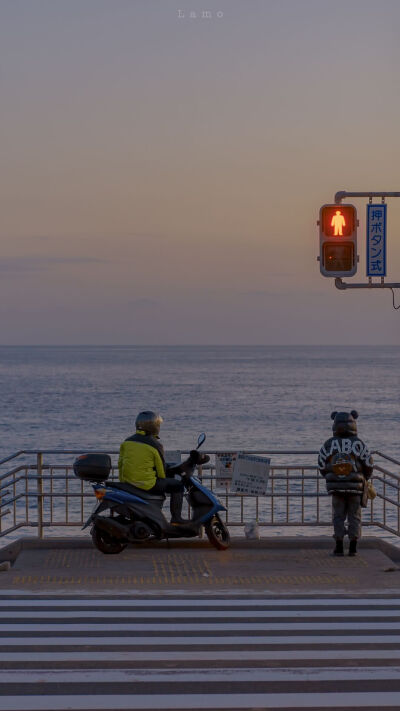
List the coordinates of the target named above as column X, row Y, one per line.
column 12, row 551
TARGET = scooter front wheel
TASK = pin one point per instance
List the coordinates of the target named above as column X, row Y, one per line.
column 217, row 533
column 105, row 544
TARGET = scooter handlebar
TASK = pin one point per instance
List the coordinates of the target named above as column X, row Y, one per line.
column 191, row 463
column 196, row 458
column 204, row 458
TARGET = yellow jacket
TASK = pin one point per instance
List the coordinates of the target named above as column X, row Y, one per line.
column 141, row 460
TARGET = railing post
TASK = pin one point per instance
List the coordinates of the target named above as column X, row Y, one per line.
column 398, row 511
column 39, row 480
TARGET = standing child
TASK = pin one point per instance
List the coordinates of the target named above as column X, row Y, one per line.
column 346, row 465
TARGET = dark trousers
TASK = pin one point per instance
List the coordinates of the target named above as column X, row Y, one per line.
column 172, row 486
column 346, row 506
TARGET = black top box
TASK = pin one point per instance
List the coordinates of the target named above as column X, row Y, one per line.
column 93, row 467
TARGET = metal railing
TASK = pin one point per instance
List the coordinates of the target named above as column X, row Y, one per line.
column 46, row 495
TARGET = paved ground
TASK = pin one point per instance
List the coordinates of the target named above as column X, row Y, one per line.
column 286, row 566
column 198, row 652
column 271, row 624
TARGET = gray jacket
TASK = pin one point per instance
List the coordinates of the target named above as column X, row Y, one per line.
column 354, row 449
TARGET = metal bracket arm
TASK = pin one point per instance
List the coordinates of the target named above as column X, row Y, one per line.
column 342, row 194
column 340, row 284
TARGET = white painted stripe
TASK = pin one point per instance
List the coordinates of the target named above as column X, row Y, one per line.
column 205, row 627
column 200, row 701
column 196, row 614
column 157, row 676
column 193, row 640
column 201, row 602
column 208, row 655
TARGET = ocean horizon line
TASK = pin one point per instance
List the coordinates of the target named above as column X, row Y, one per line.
column 199, row 345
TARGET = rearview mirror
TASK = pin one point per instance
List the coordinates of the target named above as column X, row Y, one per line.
column 201, row 438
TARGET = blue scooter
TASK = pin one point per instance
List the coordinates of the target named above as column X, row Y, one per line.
column 135, row 516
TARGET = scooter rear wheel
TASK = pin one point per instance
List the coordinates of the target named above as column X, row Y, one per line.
column 105, row 544
column 217, row 533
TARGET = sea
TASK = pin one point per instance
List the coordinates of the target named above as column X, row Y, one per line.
column 243, row 397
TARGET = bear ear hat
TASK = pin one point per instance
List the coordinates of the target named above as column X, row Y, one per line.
column 354, row 413
column 333, row 415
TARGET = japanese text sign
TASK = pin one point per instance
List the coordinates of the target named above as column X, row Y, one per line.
column 376, row 240
column 250, row 475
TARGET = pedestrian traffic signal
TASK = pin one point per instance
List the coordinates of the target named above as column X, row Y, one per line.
column 338, row 240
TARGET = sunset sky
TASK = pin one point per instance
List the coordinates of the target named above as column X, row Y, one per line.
column 161, row 176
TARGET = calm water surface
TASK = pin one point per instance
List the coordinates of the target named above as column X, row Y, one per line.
column 243, row 397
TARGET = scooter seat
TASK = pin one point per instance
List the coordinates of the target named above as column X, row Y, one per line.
column 130, row 489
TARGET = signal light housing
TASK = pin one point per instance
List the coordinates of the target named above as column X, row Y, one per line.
column 338, row 240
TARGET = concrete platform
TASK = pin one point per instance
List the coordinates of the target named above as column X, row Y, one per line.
column 284, row 566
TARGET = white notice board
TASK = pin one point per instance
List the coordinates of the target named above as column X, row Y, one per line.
column 224, row 464
column 250, row 475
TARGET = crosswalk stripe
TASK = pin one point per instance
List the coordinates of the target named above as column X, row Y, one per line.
column 190, row 641
column 224, row 603
column 200, row 614
column 70, row 654
column 194, row 675
column 147, row 702
column 265, row 655
column 205, row 627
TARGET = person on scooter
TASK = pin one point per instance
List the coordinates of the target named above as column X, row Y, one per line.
column 142, row 463
column 346, row 465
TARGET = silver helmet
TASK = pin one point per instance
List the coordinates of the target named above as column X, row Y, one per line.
column 149, row 422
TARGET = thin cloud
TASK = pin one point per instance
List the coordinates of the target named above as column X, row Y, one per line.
column 260, row 294
column 16, row 265
column 145, row 303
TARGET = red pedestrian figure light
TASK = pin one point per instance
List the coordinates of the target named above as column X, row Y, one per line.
column 338, row 222
column 338, row 240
